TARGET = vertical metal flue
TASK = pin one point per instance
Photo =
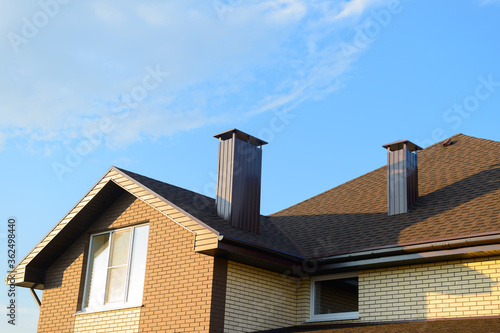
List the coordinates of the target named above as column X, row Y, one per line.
column 402, row 176
column 239, row 179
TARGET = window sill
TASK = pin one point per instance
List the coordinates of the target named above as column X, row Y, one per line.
column 334, row 317
column 106, row 309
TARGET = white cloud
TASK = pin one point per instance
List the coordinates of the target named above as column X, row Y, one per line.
column 357, row 7
column 258, row 57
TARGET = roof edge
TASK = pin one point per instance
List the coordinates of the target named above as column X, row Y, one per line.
column 419, row 247
column 167, row 201
column 229, row 239
column 55, row 226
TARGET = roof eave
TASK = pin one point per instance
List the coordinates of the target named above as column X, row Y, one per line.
column 244, row 243
column 410, row 259
column 457, row 248
column 248, row 253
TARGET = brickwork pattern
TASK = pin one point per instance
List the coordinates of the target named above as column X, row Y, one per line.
column 61, row 294
column 257, row 299
column 177, row 291
column 465, row 288
column 303, row 300
column 178, row 283
column 65, row 279
column 124, row 321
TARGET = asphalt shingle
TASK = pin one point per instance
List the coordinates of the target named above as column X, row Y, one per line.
column 459, row 195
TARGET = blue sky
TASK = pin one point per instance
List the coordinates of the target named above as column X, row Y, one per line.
column 145, row 85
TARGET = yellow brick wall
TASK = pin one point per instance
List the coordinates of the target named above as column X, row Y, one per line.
column 65, row 278
column 303, row 300
column 465, row 288
column 124, row 321
column 178, row 282
column 257, row 299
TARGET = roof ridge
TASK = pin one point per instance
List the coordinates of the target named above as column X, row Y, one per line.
column 375, row 170
column 300, row 248
column 461, row 135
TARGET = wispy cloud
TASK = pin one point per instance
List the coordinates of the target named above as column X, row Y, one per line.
column 263, row 56
column 357, row 7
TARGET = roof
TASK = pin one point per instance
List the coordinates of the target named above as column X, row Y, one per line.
column 459, row 188
column 459, row 195
column 192, row 211
column 203, row 208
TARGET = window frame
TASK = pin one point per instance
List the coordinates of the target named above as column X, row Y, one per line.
column 111, row 305
column 330, row 316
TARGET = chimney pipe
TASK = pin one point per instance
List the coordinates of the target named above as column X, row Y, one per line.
column 402, row 176
column 239, row 179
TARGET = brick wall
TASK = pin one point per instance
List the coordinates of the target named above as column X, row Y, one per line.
column 65, row 278
column 61, row 293
column 303, row 300
column 123, row 321
column 257, row 299
column 465, row 288
column 442, row 290
column 178, row 282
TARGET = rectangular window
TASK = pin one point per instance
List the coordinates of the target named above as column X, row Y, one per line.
column 334, row 297
column 116, row 269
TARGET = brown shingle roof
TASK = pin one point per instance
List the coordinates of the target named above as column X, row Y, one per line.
column 459, row 195
column 203, row 208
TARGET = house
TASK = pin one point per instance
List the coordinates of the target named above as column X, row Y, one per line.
column 411, row 246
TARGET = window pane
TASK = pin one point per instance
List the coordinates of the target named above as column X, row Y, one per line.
column 119, row 252
column 138, row 264
column 336, row 296
column 116, row 284
column 96, row 283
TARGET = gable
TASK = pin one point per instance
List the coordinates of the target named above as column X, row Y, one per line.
column 30, row 270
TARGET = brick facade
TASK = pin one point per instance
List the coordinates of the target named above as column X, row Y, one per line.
column 186, row 291
column 123, row 321
column 462, row 288
column 441, row 290
column 178, row 282
column 257, row 299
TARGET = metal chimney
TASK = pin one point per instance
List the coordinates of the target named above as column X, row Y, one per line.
column 402, row 176
column 239, row 179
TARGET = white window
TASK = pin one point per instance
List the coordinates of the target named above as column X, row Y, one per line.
column 116, row 269
column 334, row 297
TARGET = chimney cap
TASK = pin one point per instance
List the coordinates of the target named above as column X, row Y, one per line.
column 240, row 135
column 400, row 144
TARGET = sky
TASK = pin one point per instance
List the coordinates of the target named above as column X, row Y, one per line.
column 86, row 85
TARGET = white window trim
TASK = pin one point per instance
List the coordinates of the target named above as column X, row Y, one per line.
column 330, row 316
column 109, row 306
